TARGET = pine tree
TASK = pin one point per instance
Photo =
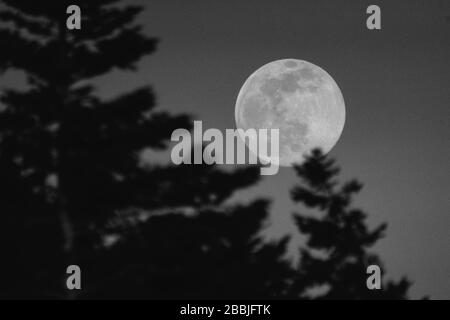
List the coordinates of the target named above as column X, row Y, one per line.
column 215, row 253
column 334, row 261
column 71, row 178
column 69, row 157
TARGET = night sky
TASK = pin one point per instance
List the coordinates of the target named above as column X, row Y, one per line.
column 395, row 83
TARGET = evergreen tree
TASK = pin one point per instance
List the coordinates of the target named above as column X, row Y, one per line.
column 69, row 158
column 217, row 253
column 334, row 261
column 71, row 179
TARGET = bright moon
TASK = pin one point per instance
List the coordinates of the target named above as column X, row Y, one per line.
column 300, row 99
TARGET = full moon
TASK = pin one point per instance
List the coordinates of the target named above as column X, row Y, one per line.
column 299, row 99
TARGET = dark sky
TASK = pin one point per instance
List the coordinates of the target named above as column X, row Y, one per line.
column 395, row 84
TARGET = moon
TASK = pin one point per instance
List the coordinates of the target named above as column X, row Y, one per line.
column 300, row 99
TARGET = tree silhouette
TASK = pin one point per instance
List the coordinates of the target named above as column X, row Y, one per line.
column 69, row 158
column 211, row 255
column 72, row 179
column 334, row 261
column 74, row 191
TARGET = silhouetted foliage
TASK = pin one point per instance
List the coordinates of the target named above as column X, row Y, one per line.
column 334, row 260
column 212, row 255
column 71, row 179
column 73, row 190
column 69, row 158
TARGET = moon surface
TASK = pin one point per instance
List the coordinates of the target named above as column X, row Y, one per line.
column 300, row 99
